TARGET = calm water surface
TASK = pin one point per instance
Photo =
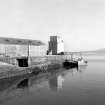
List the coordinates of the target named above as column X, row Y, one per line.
column 83, row 86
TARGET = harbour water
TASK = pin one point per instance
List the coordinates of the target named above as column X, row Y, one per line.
column 82, row 86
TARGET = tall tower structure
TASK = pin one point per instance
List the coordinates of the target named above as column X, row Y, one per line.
column 56, row 45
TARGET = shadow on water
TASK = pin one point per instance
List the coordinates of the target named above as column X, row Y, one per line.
column 23, row 83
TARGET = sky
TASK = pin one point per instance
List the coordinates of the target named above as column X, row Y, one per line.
column 81, row 23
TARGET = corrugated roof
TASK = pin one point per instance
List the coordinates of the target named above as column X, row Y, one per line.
column 17, row 41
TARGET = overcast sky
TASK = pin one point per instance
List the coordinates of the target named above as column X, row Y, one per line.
column 81, row 23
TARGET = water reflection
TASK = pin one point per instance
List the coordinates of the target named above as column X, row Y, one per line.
column 56, row 82
column 60, row 81
column 55, row 79
column 20, row 86
column 53, row 84
column 82, row 68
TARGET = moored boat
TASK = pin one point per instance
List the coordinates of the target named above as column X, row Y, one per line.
column 81, row 61
column 70, row 64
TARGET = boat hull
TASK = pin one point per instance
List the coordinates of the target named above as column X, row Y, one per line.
column 70, row 64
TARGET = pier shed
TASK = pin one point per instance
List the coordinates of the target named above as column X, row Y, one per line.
column 19, row 51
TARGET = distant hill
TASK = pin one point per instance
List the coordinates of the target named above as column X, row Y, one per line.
column 94, row 52
column 99, row 52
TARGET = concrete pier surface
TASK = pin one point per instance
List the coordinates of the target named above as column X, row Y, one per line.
column 9, row 70
column 36, row 66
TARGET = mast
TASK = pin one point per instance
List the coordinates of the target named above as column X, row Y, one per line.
column 28, row 51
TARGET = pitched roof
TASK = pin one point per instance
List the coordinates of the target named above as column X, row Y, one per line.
column 17, row 41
